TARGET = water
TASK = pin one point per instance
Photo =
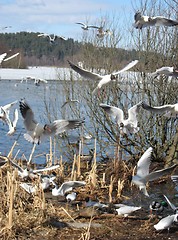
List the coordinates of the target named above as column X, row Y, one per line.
column 43, row 98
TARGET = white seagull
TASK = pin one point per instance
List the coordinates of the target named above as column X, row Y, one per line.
column 167, row 71
column 126, row 210
column 146, row 21
column 5, row 110
column 102, row 79
column 11, row 57
column 36, row 131
column 2, row 56
column 165, row 223
column 12, row 124
column 143, row 176
column 85, row 26
column 66, row 187
column 53, row 38
column 71, row 197
column 169, row 110
column 128, row 125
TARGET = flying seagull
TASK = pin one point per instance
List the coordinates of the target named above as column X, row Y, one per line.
column 66, row 187
column 143, row 176
column 128, row 125
column 53, row 38
column 146, row 21
column 36, row 131
column 85, row 26
column 102, row 79
column 167, row 71
column 12, row 124
column 170, row 110
column 5, row 110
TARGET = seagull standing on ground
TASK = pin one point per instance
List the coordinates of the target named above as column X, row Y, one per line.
column 102, row 79
column 143, row 176
column 36, row 131
column 146, row 21
column 128, row 125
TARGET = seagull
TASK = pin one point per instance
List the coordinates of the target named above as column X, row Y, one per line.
column 36, row 131
column 146, row 21
column 71, row 197
column 2, row 56
column 5, row 110
column 143, row 176
column 12, row 124
column 101, row 32
column 167, row 71
column 66, row 187
column 28, row 187
column 174, row 208
column 128, row 125
column 126, row 210
column 170, row 110
column 102, row 79
column 69, row 102
column 24, row 173
column 165, row 223
column 85, row 26
column 51, row 39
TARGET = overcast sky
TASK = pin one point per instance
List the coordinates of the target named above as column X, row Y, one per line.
column 58, row 16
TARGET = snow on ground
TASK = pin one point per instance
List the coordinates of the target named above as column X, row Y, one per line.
column 48, row 73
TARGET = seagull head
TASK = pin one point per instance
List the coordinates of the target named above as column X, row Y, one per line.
column 47, row 128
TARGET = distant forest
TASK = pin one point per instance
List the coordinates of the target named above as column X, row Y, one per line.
column 37, row 51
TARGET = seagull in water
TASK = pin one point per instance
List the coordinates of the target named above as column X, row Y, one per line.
column 66, row 187
column 146, row 21
column 102, row 79
column 36, row 131
column 128, row 125
column 167, row 71
column 169, row 110
column 143, row 176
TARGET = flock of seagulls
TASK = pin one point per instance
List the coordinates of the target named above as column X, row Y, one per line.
column 36, row 131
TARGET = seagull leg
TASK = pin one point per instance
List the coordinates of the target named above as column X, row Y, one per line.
column 31, row 155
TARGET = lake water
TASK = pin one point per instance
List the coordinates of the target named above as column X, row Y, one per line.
column 43, row 98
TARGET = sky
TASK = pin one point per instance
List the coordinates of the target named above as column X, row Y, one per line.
column 58, row 16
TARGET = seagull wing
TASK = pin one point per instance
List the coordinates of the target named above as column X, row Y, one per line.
column 16, row 117
column 28, row 116
column 2, row 56
column 160, row 109
column 16, row 166
column 159, row 20
column 80, row 23
column 11, row 57
column 133, row 112
column 127, row 67
column 60, row 126
column 8, row 106
column 68, row 186
column 84, row 73
column 170, row 204
column 144, row 163
column 46, row 169
column 114, row 112
column 157, row 174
